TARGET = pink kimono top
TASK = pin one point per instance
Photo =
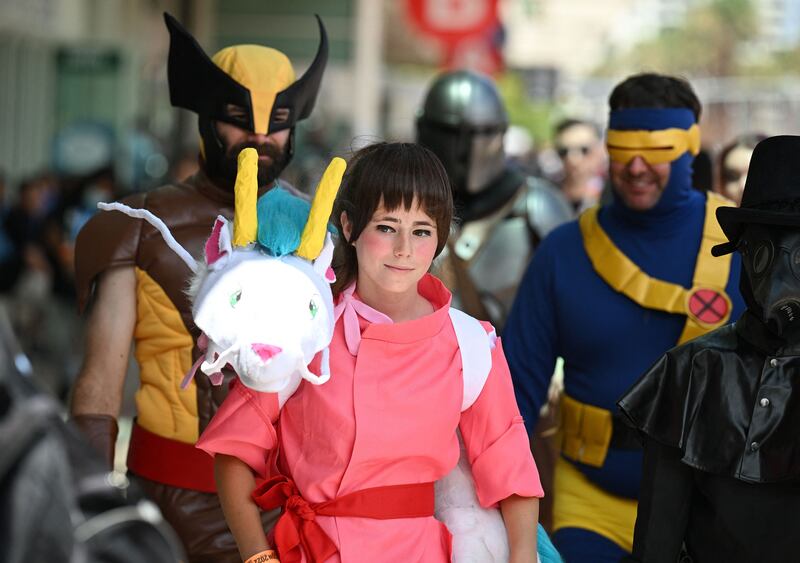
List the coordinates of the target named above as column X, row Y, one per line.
column 387, row 416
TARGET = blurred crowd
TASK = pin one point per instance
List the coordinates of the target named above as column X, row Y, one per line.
column 40, row 217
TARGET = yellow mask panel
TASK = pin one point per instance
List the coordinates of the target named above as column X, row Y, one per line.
column 656, row 147
column 262, row 70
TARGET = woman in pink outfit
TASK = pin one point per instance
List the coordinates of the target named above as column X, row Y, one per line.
column 353, row 461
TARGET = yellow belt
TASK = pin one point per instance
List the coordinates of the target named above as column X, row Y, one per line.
column 584, row 431
column 578, row 503
column 706, row 305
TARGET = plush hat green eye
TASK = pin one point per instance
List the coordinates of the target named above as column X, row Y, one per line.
column 236, row 296
column 313, row 308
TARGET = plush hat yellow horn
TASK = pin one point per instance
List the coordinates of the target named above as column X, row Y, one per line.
column 245, row 214
column 313, row 237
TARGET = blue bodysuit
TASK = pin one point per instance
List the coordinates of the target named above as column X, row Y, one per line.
column 563, row 308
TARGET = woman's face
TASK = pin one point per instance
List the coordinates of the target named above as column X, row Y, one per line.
column 734, row 172
column 394, row 250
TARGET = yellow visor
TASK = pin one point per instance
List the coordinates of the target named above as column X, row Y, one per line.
column 656, row 147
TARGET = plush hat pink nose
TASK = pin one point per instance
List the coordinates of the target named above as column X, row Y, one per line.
column 266, row 351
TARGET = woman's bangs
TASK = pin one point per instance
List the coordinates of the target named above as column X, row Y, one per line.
column 425, row 177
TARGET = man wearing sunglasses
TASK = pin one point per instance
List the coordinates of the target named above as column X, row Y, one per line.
column 719, row 414
column 579, row 147
column 610, row 293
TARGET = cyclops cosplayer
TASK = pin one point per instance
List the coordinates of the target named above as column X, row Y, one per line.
column 610, row 293
column 658, row 136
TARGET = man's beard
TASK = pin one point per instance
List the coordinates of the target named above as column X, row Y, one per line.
column 268, row 172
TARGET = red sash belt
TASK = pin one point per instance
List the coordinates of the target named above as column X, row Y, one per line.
column 297, row 527
column 170, row 462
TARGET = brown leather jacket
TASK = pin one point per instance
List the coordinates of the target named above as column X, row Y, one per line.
column 164, row 332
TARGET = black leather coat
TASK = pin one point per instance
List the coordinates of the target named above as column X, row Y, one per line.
column 720, row 420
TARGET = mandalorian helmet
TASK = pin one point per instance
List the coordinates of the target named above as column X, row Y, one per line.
column 257, row 81
column 463, row 121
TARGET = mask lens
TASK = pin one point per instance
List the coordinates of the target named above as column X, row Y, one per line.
column 794, row 262
column 761, row 257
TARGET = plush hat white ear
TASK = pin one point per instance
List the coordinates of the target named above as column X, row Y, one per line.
column 322, row 265
column 218, row 246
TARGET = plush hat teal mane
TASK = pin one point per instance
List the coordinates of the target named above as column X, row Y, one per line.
column 282, row 216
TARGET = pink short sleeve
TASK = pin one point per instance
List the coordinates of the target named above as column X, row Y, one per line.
column 496, row 440
column 243, row 427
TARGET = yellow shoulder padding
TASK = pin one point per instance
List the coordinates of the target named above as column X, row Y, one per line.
column 245, row 216
column 314, row 232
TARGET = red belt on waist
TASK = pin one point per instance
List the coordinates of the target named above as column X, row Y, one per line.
column 170, row 462
column 297, row 527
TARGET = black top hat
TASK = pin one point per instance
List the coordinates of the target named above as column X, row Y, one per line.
column 771, row 193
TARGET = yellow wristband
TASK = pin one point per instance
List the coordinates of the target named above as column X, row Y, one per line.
column 264, row 557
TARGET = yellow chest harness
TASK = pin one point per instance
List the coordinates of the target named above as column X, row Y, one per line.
column 585, row 430
column 706, row 305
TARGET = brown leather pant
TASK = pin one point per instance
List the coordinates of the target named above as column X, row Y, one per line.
column 198, row 520
column 545, row 450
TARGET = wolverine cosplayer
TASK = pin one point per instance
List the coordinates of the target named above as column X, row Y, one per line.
column 610, row 293
column 719, row 416
column 254, row 89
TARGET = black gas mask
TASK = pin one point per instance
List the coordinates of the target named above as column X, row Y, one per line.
column 770, row 282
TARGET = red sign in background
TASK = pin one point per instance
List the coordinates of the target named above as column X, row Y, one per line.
column 452, row 21
column 461, row 25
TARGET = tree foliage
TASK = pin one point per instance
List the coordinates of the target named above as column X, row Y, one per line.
column 708, row 44
column 534, row 116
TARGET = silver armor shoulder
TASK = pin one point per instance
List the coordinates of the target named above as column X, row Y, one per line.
column 545, row 206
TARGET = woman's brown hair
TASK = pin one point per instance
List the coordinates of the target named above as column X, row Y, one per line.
column 391, row 174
